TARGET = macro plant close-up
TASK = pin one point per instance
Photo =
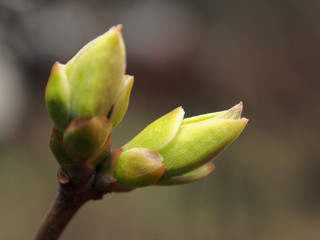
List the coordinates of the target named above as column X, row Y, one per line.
column 153, row 120
column 86, row 99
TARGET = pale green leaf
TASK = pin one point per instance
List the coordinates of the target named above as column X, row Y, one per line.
column 122, row 102
column 159, row 133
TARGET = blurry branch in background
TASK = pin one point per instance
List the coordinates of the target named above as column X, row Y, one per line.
column 86, row 99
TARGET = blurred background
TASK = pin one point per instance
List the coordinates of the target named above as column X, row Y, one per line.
column 203, row 55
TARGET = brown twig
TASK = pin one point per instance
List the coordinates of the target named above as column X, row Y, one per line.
column 70, row 199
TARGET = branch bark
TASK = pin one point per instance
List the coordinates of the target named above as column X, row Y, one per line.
column 70, row 199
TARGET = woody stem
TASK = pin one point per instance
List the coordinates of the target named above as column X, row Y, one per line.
column 70, row 199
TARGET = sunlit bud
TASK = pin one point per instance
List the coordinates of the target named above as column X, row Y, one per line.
column 92, row 83
column 188, row 145
column 86, row 98
column 201, row 141
column 96, row 75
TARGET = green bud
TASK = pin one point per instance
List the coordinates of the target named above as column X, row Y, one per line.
column 191, row 176
column 86, row 98
column 85, row 144
column 92, row 83
column 85, row 136
column 199, row 142
column 139, row 167
column 188, row 144
column 96, row 75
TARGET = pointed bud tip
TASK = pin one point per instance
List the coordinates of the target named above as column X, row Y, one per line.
column 129, row 78
column 233, row 113
column 179, row 110
column 58, row 65
column 119, row 27
column 115, row 31
column 236, row 111
column 245, row 119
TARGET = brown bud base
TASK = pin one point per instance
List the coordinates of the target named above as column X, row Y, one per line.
column 69, row 200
